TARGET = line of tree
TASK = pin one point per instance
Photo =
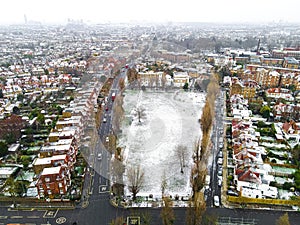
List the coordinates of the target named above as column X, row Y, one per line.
column 197, row 205
column 118, row 113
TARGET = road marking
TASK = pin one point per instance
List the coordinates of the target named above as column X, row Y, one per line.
column 16, row 217
column 11, row 209
column 61, row 220
column 133, row 220
column 103, row 189
column 28, row 209
column 50, row 213
column 33, row 217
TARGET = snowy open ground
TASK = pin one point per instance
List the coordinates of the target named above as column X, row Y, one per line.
column 171, row 119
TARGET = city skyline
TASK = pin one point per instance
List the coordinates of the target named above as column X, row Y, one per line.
column 92, row 11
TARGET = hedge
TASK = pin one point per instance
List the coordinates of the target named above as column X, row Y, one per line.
column 263, row 201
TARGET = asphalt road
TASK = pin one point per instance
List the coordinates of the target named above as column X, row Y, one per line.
column 100, row 212
column 217, row 139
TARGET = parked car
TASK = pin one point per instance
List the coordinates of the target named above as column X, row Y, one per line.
column 220, row 171
column 219, row 182
column 216, row 201
column 232, row 193
column 220, row 161
column 107, row 139
column 99, row 156
column 104, row 120
column 220, row 154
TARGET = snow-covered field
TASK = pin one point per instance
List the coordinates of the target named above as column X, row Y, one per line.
column 169, row 119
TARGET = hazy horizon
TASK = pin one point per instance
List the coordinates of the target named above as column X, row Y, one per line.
column 93, row 11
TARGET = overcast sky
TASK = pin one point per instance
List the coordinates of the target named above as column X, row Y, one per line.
column 58, row 11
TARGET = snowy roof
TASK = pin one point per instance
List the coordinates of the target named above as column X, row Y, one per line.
column 51, row 170
column 43, row 161
column 4, row 171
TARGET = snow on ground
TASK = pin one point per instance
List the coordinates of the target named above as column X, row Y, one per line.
column 170, row 119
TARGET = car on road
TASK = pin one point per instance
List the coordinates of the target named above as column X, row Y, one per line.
column 104, row 120
column 106, row 108
column 107, row 139
column 216, row 201
column 99, row 156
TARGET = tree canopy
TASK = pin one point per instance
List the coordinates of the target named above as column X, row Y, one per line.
column 3, row 148
column 265, row 111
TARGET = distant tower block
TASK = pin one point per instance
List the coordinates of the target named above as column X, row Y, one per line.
column 25, row 18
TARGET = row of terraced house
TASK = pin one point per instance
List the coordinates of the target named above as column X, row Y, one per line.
column 253, row 174
column 58, row 155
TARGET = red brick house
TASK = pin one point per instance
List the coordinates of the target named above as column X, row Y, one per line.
column 53, row 182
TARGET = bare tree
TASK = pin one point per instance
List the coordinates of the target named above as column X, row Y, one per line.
column 181, row 153
column 163, row 184
column 135, row 176
column 117, row 170
column 117, row 221
column 206, row 119
column 121, row 84
column 167, row 212
column 163, row 81
column 283, row 220
column 146, row 218
column 198, row 177
column 156, row 81
column 118, row 113
column 139, row 112
column 197, row 152
column 196, row 209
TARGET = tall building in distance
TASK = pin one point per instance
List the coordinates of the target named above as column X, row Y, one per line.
column 25, row 18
